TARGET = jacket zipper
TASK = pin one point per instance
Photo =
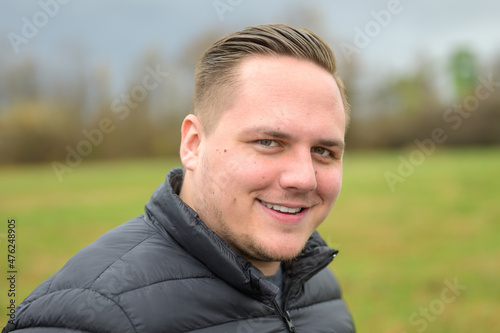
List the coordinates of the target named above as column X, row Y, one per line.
column 285, row 315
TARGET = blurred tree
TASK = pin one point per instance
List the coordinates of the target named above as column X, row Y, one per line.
column 21, row 81
column 44, row 110
column 464, row 72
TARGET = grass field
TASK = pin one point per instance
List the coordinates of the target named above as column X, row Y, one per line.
column 422, row 258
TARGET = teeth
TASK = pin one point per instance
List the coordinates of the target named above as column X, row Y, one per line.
column 282, row 209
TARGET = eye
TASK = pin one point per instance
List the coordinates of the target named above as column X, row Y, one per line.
column 321, row 151
column 268, row 143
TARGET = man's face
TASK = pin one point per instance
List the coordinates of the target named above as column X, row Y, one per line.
column 271, row 170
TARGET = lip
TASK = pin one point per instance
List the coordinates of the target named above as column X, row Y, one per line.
column 288, row 219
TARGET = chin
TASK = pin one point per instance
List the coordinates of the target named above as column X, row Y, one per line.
column 290, row 255
column 268, row 252
column 286, row 252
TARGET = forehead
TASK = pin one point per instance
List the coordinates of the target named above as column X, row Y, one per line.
column 269, row 68
column 284, row 90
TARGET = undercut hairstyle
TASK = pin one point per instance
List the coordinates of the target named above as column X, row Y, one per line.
column 216, row 76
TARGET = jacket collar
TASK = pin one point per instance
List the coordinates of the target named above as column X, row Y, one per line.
column 193, row 235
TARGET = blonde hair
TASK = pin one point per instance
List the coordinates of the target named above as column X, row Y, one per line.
column 216, row 77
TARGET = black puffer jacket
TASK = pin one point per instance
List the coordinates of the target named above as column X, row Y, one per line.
column 165, row 271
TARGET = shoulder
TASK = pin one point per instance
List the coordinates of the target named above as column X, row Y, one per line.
column 130, row 256
column 99, row 286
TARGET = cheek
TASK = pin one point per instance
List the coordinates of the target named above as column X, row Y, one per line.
column 262, row 173
column 236, row 174
column 329, row 184
column 237, row 170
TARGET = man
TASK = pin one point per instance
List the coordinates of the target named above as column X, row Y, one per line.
column 228, row 243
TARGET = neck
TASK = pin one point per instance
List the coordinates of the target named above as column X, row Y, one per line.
column 267, row 268
column 185, row 193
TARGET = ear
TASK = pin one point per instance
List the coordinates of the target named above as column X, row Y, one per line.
column 192, row 134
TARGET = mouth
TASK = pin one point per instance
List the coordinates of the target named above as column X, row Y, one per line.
column 283, row 209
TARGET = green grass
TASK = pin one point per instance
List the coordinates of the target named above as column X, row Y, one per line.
column 397, row 248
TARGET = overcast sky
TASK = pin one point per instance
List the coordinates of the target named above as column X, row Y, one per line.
column 116, row 33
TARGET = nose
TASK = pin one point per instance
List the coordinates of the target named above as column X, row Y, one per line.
column 299, row 173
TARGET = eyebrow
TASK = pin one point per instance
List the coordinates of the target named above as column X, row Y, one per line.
column 285, row 136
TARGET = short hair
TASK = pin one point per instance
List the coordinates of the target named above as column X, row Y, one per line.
column 216, row 77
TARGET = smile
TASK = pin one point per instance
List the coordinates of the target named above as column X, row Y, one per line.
column 282, row 209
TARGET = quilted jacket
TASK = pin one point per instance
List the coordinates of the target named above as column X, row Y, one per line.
column 166, row 271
